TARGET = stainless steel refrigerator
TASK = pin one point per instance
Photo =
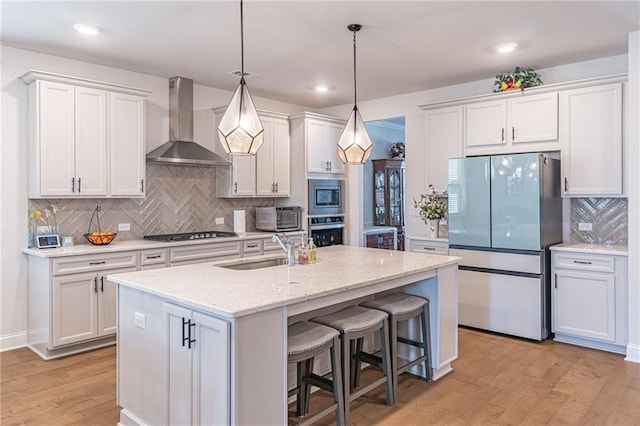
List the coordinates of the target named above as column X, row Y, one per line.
column 504, row 213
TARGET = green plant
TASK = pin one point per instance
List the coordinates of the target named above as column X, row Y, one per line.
column 432, row 206
column 519, row 78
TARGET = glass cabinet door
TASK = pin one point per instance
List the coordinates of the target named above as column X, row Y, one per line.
column 395, row 198
column 379, row 192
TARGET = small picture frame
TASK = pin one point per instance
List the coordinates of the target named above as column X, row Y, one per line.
column 47, row 241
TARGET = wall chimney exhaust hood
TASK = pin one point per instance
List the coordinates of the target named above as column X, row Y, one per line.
column 181, row 150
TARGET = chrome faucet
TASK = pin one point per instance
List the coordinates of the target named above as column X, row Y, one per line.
column 287, row 246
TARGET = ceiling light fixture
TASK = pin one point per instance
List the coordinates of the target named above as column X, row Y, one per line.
column 354, row 145
column 321, row 89
column 240, row 130
column 87, row 29
column 506, row 47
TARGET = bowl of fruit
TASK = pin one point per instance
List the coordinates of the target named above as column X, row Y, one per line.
column 99, row 237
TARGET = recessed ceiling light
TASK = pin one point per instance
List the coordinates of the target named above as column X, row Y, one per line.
column 321, row 88
column 87, row 29
column 506, row 47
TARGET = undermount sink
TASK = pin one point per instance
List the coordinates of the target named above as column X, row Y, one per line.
column 256, row 264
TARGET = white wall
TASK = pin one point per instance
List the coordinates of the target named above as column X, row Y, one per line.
column 14, row 167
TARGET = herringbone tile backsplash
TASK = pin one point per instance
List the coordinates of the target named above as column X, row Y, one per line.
column 608, row 217
column 179, row 199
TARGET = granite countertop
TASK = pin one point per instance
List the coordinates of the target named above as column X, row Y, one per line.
column 127, row 245
column 592, row 248
column 233, row 293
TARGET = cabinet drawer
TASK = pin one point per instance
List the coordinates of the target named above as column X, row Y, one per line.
column 269, row 245
column 584, row 262
column 153, row 257
column 205, row 251
column 252, row 248
column 94, row 262
column 431, row 247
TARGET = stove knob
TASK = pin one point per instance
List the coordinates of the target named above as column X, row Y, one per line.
column 191, row 237
column 207, row 235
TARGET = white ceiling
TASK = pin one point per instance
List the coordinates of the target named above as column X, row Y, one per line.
column 294, row 45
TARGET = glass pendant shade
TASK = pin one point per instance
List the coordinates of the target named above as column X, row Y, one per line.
column 240, row 130
column 354, row 145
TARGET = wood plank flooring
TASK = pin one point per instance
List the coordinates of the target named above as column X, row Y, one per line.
column 496, row 381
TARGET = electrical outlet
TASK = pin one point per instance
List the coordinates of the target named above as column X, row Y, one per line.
column 219, row 220
column 585, row 226
column 124, row 227
column 140, row 320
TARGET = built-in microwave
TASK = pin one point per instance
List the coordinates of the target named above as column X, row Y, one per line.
column 326, row 197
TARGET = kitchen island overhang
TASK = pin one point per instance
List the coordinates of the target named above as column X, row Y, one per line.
column 254, row 307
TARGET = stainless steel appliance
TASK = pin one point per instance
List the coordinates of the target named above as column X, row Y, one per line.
column 190, row 236
column 279, row 218
column 326, row 197
column 504, row 213
column 327, row 230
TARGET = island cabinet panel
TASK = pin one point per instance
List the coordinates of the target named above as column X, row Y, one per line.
column 196, row 365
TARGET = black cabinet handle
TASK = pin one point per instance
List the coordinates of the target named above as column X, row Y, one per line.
column 582, row 262
column 73, row 185
column 98, row 263
column 185, row 338
column 157, row 256
column 503, row 134
column 555, row 280
column 79, row 185
column 192, row 325
column 102, row 284
column 95, row 285
column 276, row 187
column 235, row 187
column 513, row 133
column 429, row 248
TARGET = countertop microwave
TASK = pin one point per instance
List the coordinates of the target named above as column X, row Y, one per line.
column 279, row 218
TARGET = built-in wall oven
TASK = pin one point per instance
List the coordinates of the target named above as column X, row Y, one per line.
column 326, row 211
column 327, row 230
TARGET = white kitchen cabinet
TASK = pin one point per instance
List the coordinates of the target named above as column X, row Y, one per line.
column 273, row 164
column 74, row 136
column 197, row 353
column 589, row 300
column 428, row 245
column 591, row 131
column 126, row 145
column 239, row 180
column 199, row 253
column 444, row 139
column 153, row 259
column 524, row 123
column 318, row 135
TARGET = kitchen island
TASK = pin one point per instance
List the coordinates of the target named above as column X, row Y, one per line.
column 207, row 344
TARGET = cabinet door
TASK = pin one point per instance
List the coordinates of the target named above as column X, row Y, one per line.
column 126, row 145
column 486, row 123
column 533, row 118
column 282, row 158
column 107, row 311
column 584, row 304
column 244, row 177
column 91, row 142
column 592, row 133
column 178, row 363
column 331, row 147
column 211, row 366
column 316, row 135
column 56, row 141
column 444, row 141
column 74, row 313
column 265, row 183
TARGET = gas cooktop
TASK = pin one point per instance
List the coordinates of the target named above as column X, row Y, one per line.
column 190, row 236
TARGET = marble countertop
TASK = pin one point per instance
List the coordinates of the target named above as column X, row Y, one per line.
column 592, row 248
column 127, row 245
column 234, row 293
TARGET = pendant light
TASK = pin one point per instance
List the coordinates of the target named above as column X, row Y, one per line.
column 354, row 145
column 240, row 130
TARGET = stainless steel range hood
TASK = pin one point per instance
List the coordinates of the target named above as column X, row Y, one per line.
column 181, row 150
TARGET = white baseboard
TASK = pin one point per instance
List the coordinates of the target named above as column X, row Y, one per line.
column 633, row 353
column 13, row 341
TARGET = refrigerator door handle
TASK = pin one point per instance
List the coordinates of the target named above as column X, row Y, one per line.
column 555, row 280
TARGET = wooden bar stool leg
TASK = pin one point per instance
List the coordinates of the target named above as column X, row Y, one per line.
column 307, row 388
column 426, row 341
column 393, row 337
column 386, row 357
column 301, row 388
column 357, row 364
column 336, row 372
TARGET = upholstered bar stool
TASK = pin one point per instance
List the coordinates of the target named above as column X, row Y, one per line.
column 355, row 323
column 403, row 307
column 306, row 340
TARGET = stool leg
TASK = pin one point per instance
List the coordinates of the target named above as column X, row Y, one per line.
column 346, row 374
column 426, row 341
column 393, row 338
column 307, row 387
column 336, row 371
column 386, row 358
column 357, row 364
column 301, row 388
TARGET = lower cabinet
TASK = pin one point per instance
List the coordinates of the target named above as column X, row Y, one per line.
column 429, row 246
column 83, row 307
column 383, row 240
column 589, row 300
column 197, row 351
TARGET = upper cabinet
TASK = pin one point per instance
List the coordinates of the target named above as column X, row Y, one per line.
column 443, row 130
column 266, row 174
column 592, row 134
column 520, row 124
column 315, row 140
column 86, row 138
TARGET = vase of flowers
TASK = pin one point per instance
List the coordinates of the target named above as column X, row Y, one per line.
column 397, row 150
column 432, row 208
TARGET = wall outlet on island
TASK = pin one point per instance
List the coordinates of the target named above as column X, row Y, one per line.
column 219, row 220
column 124, row 227
column 585, row 226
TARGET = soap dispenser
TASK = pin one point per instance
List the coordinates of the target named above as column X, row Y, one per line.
column 311, row 247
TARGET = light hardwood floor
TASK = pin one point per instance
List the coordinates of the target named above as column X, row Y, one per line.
column 496, row 381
